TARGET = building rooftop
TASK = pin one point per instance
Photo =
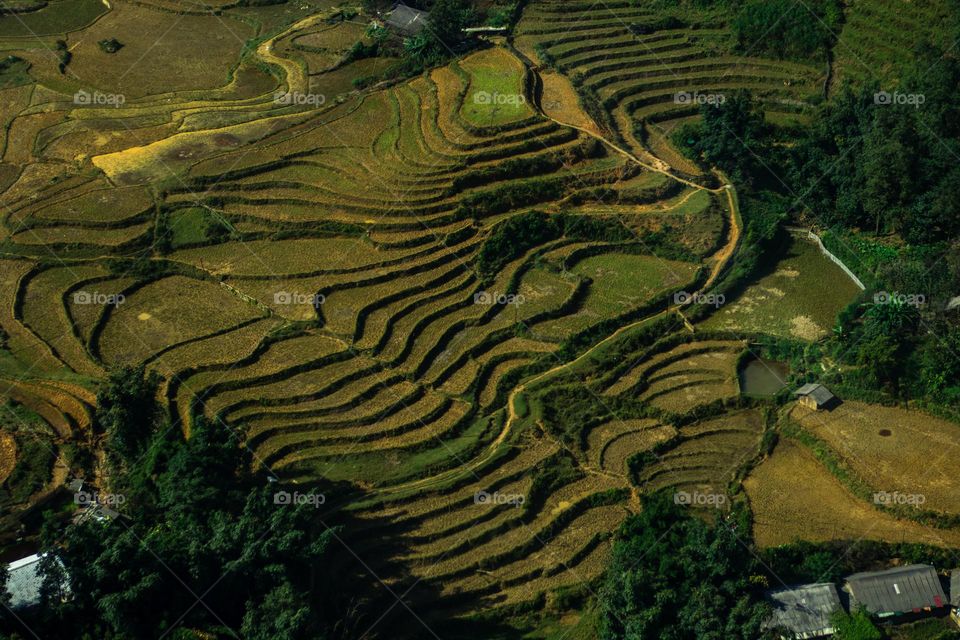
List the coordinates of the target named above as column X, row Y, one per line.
column 899, row 590
column 805, row 610
column 955, row 587
column 817, row 391
column 407, row 19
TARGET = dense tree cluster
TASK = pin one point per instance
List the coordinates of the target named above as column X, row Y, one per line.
column 202, row 546
column 730, row 135
column 674, row 577
column 885, row 159
column 518, row 234
column 787, row 29
column 884, row 162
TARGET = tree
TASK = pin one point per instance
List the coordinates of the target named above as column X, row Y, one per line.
column 448, row 18
column 731, row 135
column 673, row 577
column 53, row 580
column 4, row 594
column 127, row 412
column 196, row 522
column 855, row 626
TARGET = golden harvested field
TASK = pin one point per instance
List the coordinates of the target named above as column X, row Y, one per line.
column 561, row 102
column 893, row 449
column 163, row 61
column 794, row 497
column 167, row 312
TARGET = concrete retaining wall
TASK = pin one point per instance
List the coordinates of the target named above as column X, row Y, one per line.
column 810, row 235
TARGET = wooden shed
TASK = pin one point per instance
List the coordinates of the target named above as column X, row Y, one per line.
column 815, row 396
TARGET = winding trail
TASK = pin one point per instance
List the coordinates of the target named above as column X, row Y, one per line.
column 721, row 260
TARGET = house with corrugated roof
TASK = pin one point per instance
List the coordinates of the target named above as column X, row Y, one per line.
column 407, row 20
column 816, row 396
column 913, row 588
column 805, row 611
column 24, row 581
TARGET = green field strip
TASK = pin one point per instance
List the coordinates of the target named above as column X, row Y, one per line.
column 522, row 541
column 368, row 404
column 510, row 464
column 151, row 319
column 520, row 523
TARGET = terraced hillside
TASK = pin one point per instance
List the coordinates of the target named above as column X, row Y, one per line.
column 432, row 294
column 323, row 281
column 645, row 72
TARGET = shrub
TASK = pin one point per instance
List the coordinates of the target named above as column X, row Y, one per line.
column 110, row 45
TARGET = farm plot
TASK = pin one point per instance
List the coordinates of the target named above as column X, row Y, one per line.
column 793, row 497
column 618, row 283
column 708, row 455
column 291, row 257
column 611, row 444
column 790, row 300
column 892, row 449
column 697, row 379
column 94, row 207
column 644, row 366
column 56, row 17
column 44, row 312
column 162, row 64
column 167, row 312
column 876, row 32
column 495, row 93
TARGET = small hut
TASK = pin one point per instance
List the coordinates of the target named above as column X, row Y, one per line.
column 816, row 397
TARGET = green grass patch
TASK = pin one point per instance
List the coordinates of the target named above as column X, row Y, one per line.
column 59, row 16
column 619, row 282
column 13, row 72
column 797, row 297
column 495, row 95
column 193, row 225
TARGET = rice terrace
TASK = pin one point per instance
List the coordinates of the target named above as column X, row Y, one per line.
column 497, row 319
